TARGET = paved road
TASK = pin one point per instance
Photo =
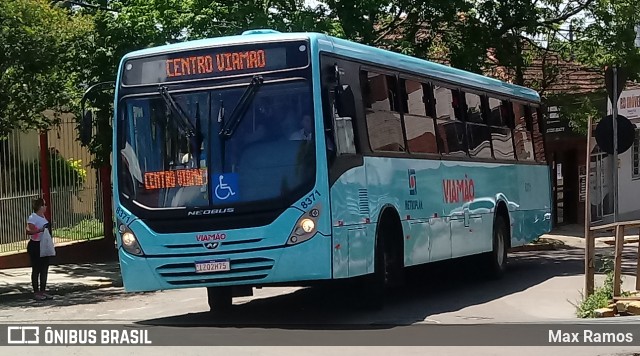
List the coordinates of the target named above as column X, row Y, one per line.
column 540, row 287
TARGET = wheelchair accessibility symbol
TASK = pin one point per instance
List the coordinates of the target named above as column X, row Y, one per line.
column 227, row 187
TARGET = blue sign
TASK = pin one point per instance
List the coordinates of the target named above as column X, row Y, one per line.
column 226, row 187
column 413, row 188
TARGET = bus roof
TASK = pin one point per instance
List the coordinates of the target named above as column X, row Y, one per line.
column 360, row 52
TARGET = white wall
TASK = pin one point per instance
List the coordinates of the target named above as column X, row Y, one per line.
column 628, row 188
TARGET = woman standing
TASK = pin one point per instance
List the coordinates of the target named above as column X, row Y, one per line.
column 40, row 248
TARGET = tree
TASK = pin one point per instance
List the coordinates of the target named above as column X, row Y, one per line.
column 125, row 27
column 34, row 74
column 604, row 37
column 137, row 24
column 609, row 37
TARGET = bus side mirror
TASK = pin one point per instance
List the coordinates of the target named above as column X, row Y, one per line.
column 345, row 102
column 86, row 126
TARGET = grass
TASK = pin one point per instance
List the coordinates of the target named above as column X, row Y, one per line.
column 84, row 230
column 601, row 297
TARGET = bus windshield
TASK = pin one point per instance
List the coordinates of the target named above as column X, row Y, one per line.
column 269, row 157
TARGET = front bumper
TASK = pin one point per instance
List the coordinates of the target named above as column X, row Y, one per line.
column 310, row 260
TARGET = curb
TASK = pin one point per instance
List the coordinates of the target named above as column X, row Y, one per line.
column 537, row 247
column 61, row 291
column 631, row 240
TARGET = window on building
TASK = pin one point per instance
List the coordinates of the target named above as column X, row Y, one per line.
column 419, row 127
column 451, row 129
column 522, row 134
column 635, row 173
column 538, row 139
column 381, row 108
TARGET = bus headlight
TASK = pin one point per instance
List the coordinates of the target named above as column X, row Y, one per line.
column 305, row 227
column 130, row 243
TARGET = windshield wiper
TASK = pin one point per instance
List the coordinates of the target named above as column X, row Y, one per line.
column 185, row 124
column 238, row 112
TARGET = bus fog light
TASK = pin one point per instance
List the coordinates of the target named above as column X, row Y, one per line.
column 307, row 225
column 305, row 228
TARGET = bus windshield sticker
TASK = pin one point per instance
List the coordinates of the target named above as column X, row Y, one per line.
column 227, row 187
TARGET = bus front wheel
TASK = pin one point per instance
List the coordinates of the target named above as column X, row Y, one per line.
column 388, row 271
column 219, row 298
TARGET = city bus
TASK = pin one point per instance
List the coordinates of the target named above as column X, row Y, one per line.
column 271, row 158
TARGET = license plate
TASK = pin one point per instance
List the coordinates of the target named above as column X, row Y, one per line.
column 213, row 266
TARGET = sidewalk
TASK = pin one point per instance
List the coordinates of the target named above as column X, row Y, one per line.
column 15, row 283
column 573, row 235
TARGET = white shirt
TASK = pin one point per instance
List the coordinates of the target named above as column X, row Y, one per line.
column 39, row 222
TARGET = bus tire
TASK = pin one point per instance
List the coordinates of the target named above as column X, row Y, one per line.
column 374, row 285
column 498, row 256
column 387, row 263
column 220, row 298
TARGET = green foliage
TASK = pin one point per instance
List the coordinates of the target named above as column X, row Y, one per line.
column 62, row 173
column 34, row 57
column 599, row 299
column 609, row 38
column 84, row 230
column 601, row 296
column 49, row 51
column 577, row 110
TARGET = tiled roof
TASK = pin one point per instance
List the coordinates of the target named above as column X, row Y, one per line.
column 549, row 74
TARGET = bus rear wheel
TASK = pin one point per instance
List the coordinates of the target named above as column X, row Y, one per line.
column 220, row 298
column 498, row 256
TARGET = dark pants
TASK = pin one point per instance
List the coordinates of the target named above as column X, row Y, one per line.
column 39, row 266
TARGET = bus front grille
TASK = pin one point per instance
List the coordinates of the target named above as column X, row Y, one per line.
column 242, row 269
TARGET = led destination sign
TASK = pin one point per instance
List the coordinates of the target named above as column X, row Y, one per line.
column 216, row 62
column 225, row 62
column 175, row 179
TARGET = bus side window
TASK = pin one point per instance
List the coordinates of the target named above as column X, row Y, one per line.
column 340, row 132
column 538, row 135
column 419, row 127
column 501, row 135
column 452, row 137
column 522, row 134
column 478, row 134
column 382, row 107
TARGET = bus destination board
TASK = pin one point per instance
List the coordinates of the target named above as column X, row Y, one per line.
column 211, row 63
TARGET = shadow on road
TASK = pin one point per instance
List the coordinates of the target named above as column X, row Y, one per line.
column 439, row 288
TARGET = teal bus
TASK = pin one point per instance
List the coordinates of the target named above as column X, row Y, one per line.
column 273, row 158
